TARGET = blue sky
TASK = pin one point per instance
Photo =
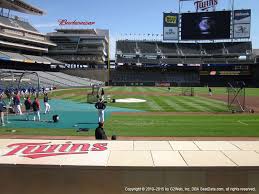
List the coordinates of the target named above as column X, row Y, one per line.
column 125, row 16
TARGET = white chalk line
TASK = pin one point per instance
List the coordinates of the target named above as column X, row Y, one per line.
column 242, row 123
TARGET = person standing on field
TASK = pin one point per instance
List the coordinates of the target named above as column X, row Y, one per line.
column 36, row 109
column 100, row 106
column 28, row 105
column 210, row 91
column 46, row 103
column 17, row 103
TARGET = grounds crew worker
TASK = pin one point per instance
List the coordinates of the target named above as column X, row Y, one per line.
column 100, row 106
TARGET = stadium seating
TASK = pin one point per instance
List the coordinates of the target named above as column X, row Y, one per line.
column 155, row 76
column 189, row 49
column 147, row 47
column 238, row 47
column 59, row 80
column 212, row 49
column 14, row 56
column 184, row 49
column 168, row 48
column 16, row 23
column 126, row 47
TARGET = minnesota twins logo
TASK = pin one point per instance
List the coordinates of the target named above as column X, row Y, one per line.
column 40, row 150
column 205, row 5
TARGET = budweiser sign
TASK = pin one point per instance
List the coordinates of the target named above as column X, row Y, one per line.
column 40, row 150
column 63, row 22
column 205, row 5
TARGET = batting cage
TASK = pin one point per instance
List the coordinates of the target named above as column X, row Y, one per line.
column 237, row 97
column 19, row 81
column 187, row 91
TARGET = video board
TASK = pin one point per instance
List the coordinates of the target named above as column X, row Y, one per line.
column 206, row 25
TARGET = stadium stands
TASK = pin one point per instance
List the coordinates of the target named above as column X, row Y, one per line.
column 17, row 23
column 80, row 46
column 212, row 49
column 155, row 75
column 22, row 46
column 239, row 47
column 147, row 47
column 174, row 53
column 58, row 79
column 168, row 48
column 189, row 49
column 126, row 47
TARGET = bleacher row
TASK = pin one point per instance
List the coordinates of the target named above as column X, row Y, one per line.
column 16, row 23
column 57, row 79
column 27, row 58
column 149, row 76
column 183, row 49
column 183, row 60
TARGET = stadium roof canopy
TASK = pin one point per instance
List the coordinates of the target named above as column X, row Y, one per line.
column 20, row 6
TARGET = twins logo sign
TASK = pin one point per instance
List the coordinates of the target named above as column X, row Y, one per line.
column 205, row 5
column 41, row 150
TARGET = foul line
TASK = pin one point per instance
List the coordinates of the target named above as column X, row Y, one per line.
column 242, row 123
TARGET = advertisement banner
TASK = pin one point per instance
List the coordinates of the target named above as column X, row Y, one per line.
column 170, row 26
column 242, row 16
column 171, row 33
column 242, row 23
column 242, row 31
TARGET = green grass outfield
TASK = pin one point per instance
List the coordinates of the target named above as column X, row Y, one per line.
column 164, row 126
column 204, row 123
column 158, row 99
column 184, row 125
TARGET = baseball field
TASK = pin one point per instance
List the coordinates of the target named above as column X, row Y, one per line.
column 146, row 112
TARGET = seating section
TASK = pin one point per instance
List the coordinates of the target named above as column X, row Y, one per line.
column 238, row 47
column 147, row 47
column 155, row 76
column 17, row 23
column 190, row 49
column 126, row 47
column 213, row 49
column 183, row 49
column 168, row 48
column 60, row 80
column 23, row 57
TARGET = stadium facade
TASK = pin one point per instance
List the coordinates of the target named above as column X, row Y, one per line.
column 200, row 48
column 22, row 46
column 79, row 48
column 184, row 63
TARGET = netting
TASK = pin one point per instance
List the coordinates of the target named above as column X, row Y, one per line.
column 94, row 95
column 187, row 91
column 236, row 97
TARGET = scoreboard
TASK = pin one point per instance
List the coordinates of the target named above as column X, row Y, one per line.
column 207, row 25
